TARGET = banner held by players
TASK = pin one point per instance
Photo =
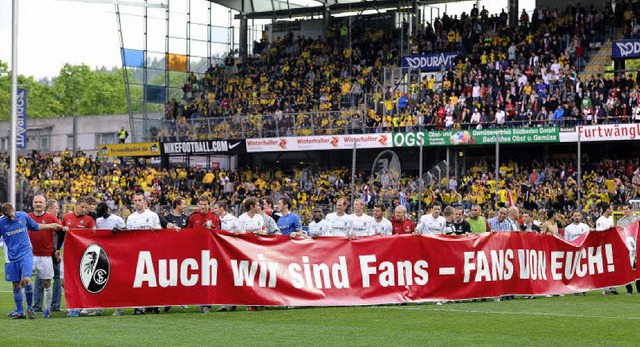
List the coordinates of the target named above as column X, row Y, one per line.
column 192, row 267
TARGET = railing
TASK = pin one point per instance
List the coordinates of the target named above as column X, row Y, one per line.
column 329, row 123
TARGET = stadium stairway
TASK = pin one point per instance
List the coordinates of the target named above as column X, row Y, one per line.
column 599, row 62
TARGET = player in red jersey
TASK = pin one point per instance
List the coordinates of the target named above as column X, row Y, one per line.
column 43, row 250
column 78, row 219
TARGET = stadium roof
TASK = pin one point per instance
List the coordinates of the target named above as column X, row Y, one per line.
column 274, row 9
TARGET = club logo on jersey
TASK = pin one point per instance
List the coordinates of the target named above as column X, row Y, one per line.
column 95, row 268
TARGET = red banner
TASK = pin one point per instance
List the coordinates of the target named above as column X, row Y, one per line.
column 197, row 267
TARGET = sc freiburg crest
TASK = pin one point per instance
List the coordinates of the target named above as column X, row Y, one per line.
column 95, row 268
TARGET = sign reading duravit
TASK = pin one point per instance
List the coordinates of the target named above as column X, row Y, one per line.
column 430, row 62
column 21, row 119
column 625, row 49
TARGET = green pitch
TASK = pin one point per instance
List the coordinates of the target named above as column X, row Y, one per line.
column 594, row 320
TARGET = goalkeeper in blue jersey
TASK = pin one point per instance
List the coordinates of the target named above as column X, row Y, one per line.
column 18, row 254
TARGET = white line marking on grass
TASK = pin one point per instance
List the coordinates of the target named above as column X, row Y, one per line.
column 503, row 312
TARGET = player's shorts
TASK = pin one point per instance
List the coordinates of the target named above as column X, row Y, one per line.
column 15, row 271
column 43, row 266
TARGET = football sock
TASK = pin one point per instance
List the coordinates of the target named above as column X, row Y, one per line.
column 28, row 293
column 48, row 296
column 17, row 297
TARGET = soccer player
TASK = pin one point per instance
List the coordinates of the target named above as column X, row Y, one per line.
column 142, row 218
column 252, row 221
column 203, row 217
column 432, row 223
column 340, row 221
column 460, row 225
column 400, row 223
column 43, row 251
column 58, row 274
column 574, row 230
column 361, row 224
column 605, row 222
column 14, row 228
column 78, row 219
column 272, row 226
column 628, row 218
column 230, row 223
column 381, row 225
column 289, row 223
column 319, row 226
column 177, row 217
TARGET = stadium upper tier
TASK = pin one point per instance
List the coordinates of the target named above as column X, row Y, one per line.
column 335, row 84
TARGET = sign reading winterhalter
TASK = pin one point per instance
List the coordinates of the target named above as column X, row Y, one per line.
column 476, row 137
column 201, row 147
column 21, row 119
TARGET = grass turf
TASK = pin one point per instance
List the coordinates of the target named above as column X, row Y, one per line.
column 594, row 320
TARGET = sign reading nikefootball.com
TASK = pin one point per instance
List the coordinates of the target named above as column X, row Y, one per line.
column 316, row 143
column 198, row 267
column 202, row 147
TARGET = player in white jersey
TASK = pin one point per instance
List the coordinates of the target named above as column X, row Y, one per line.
column 340, row 221
column 252, row 221
column 361, row 224
column 432, row 223
column 319, row 226
column 230, row 223
column 381, row 225
column 106, row 220
column 605, row 222
column 142, row 218
column 576, row 228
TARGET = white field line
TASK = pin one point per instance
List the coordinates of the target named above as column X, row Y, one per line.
column 513, row 313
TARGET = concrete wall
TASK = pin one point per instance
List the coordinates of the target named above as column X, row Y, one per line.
column 58, row 133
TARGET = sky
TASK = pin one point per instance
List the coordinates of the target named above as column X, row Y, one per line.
column 54, row 32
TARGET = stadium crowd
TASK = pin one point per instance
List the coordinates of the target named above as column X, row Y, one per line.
column 523, row 201
column 66, row 176
column 503, row 77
